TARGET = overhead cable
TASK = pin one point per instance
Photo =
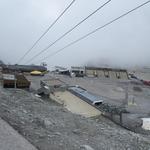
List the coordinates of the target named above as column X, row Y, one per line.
column 45, row 32
column 92, row 32
column 70, row 30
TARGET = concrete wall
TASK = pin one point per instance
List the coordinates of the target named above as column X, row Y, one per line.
column 89, row 73
column 124, row 75
column 100, row 73
column 106, row 74
column 112, row 74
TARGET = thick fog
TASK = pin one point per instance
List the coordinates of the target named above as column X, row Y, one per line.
column 124, row 43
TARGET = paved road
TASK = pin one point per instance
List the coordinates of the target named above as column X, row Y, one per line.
column 11, row 140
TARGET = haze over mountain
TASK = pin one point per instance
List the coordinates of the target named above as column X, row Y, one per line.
column 124, row 43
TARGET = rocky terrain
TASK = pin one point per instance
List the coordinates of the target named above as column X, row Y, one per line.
column 48, row 125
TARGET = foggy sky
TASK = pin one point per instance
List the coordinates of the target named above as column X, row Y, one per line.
column 124, row 43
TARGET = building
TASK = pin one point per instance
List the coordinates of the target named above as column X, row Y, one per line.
column 61, row 70
column 22, row 81
column 77, row 71
column 23, row 68
column 86, row 96
column 15, row 81
column 106, row 73
column 9, row 81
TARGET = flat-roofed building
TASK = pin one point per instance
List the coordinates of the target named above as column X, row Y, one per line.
column 106, row 73
column 77, row 71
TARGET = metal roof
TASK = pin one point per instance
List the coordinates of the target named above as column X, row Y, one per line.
column 24, row 68
column 85, row 95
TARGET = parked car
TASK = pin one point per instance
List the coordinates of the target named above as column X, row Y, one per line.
column 146, row 82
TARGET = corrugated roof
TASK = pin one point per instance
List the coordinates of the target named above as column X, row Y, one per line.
column 85, row 95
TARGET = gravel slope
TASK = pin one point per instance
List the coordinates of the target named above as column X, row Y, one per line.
column 48, row 125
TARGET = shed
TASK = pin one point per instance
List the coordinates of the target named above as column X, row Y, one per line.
column 9, row 81
column 22, row 82
column 78, row 71
column 12, row 81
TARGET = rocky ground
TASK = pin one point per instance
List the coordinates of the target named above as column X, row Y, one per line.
column 48, row 125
